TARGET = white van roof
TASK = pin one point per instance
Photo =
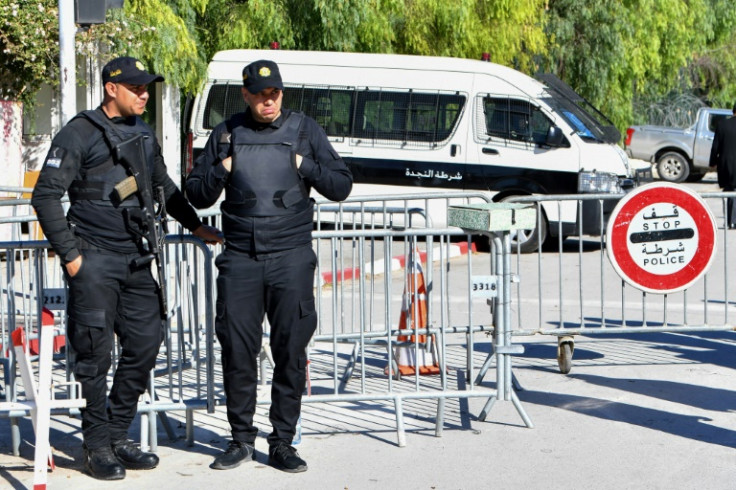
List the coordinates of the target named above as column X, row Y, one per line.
column 221, row 67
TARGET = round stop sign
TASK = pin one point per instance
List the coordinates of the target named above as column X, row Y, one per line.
column 661, row 238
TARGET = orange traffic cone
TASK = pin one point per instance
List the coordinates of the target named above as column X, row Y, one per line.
column 413, row 352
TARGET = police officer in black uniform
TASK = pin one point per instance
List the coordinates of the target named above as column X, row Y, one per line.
column 266, row 159
column 98, row 242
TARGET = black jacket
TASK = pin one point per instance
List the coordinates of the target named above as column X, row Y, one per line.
column 723, row 153
column 321, row 168
column 77, row 149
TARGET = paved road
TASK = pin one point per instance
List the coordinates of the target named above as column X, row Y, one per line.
column 654, row 412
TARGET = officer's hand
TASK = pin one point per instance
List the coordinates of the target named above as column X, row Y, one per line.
column 209, row 234
column 73, row 267
column 228, row 163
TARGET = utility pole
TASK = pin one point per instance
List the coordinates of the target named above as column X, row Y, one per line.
column 67, row 61
column 71, row 13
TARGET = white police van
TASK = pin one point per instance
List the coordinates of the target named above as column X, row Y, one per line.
column 418, row 123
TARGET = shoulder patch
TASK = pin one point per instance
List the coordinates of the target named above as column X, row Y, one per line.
column 54, row 157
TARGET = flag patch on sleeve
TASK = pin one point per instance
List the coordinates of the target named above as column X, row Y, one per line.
column 53, row 159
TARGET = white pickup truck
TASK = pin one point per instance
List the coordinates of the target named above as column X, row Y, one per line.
column 678, row 154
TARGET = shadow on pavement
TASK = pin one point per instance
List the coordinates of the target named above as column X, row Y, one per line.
column 687, row 426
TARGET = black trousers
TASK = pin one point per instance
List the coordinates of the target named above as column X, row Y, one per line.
column 279, row 286
column 106, row 297
column 730, row 209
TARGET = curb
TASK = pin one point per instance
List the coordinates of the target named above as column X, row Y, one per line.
column 397, row 263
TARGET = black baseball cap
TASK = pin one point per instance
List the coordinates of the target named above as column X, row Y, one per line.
column 128, row 70
column 261, row 74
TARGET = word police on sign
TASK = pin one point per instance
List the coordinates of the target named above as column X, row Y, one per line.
column 661, row 238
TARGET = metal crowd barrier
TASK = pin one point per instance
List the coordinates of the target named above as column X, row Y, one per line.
column 360, row 315
column 575, row 290
column 30, row 272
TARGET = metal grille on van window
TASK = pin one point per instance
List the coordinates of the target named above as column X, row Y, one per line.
column 223, row 102
column 380, row 117
column 515, row 120
column 329, row 106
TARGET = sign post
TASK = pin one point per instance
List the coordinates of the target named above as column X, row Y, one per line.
column 661, row 238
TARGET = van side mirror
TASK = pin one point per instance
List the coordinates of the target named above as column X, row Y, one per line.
column 555, row 138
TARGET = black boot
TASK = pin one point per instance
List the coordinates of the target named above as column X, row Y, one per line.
column 236, row 453
column 284, row 457
column 132, row 457
column 102, row 464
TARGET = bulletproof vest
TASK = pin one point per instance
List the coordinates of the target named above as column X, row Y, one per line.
column 98, row 182
column 264, row 180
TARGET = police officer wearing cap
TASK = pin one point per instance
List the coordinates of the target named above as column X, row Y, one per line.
column 266, row 159
column 97, row 245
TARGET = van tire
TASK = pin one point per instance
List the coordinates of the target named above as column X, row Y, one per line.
column 529, row 241
column 673, row 167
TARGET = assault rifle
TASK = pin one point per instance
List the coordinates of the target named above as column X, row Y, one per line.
column 152, row 222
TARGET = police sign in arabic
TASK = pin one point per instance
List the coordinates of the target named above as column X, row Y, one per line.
column 661, row 238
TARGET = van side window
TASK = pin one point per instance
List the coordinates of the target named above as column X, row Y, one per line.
column 329, row 106
column 393, row 117
column 223, row 101
column 515, row 119
column 407, row 116
column 397, row 118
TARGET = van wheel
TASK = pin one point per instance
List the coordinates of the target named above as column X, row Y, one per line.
column 528, row 241
column 673, row 167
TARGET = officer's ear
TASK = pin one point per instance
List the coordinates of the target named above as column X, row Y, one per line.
column 111, row 90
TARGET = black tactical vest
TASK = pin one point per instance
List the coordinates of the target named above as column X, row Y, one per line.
column 98, row 182
column 264, row 179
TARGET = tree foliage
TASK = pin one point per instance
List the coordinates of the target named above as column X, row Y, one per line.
column 29, row 47
column 512, row 32
column 622, row 55
column 157, row 31
column 625, row 56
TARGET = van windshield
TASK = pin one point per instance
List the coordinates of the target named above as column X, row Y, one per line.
column 580, row 128
column 589, row 123
column 580, row 121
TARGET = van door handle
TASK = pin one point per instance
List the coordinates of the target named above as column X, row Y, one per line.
column 490, row 151
column 454, row 150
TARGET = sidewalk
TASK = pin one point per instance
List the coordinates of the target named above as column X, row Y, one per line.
column 648, row 411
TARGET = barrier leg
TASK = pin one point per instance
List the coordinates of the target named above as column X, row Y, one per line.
column 42, row 456
column 190, row 427
column 484, row 368
column 503, row 348
column 350, row 367
column 520, row 409
column 440, row 417
column 400, row 433
column 39, row 397
column 15, row 435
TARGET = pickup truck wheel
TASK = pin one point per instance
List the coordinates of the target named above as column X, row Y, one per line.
column 673, row 167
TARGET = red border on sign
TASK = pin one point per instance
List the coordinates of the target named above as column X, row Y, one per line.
column 706, row 239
